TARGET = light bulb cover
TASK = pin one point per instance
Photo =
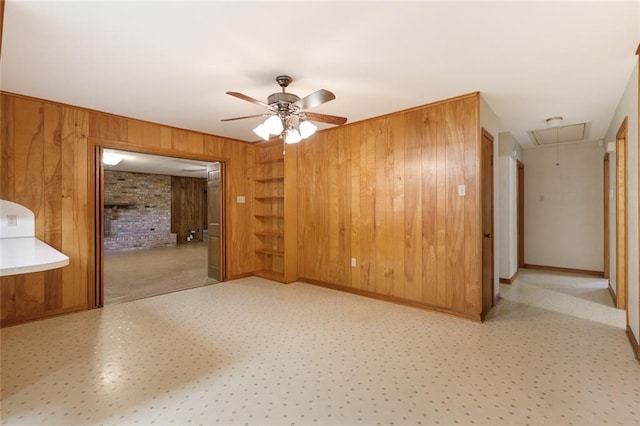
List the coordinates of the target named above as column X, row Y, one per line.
column 262, row 131
column 274, row 125
column 307, row 129
column 111, row 159
column 554, row 122
column 292, row 136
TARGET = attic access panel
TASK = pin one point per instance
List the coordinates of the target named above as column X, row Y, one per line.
column 561, row 134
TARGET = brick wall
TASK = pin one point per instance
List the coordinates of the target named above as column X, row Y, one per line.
column 137, row 211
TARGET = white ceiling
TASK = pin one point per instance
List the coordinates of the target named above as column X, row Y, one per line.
column 156, row 164
column 171, row 62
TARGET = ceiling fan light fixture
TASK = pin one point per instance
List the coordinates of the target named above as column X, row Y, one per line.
column 292, row 136
column 274, row 125
column 307, row 129
column 263, row 131
column 554, row 122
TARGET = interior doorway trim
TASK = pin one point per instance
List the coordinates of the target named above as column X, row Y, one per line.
column 488, row 234
column 520, row 213
column 96, row 184
column 605, row 204
column 621, row 217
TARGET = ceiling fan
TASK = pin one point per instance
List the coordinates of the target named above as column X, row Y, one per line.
column 287, row 114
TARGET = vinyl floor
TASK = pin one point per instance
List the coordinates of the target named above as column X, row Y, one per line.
column 552, row 352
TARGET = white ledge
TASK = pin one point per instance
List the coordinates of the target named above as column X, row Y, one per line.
column 23, row 255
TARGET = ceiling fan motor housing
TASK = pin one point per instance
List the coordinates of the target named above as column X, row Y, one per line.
column 282, row 98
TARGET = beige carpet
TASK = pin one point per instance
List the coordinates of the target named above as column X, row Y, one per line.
column 144, row 273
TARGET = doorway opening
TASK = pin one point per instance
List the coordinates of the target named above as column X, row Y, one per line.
column 152, row 233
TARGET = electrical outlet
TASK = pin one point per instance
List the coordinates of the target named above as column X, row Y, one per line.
column 462, row 190
column 353, row 261
column 12, row 220
column 240, row 199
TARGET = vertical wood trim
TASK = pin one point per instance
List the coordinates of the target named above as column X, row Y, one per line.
column 621, row 216
column 291, row 213
column 486, row 177
column 638, row 195
column 605, row 203
column 96, row 297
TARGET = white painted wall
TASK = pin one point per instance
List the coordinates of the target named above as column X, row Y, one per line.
column 563, row 206
column 628, row 107
column 489, row 121
column 509, row 153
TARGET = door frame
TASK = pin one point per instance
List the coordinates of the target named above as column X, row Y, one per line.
column 605, row 205
column 622, row 255
column 95, row 291
column 520, row 213
column 488, row 301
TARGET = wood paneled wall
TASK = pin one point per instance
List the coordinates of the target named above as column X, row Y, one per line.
column 46, row 152
column 385, row 191
column 187, row 208
column 44, row 167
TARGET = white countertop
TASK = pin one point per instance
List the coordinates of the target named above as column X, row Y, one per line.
column 23, row 255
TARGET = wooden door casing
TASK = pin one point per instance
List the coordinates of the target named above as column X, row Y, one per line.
column 486, row 171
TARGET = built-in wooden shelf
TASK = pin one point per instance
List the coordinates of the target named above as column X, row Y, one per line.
column 271, row 161
column 271, row 179
column 270, row 234
column 270, row 252
column 260, row 216
column 271, row 197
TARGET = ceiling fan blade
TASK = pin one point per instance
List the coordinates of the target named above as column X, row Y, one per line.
column 315, row 99
column 248, row 99
column 324, row 118
column 246, row 116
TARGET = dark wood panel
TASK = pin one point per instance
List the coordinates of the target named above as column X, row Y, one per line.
column 187, row 196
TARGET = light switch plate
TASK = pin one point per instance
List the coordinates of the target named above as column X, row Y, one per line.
column 241, row 199
column 12, row 220
column 462, row 190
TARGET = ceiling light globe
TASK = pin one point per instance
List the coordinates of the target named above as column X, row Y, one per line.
column 293, row 136
column 262, row 131
column 307, row 129
column 274, row 124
